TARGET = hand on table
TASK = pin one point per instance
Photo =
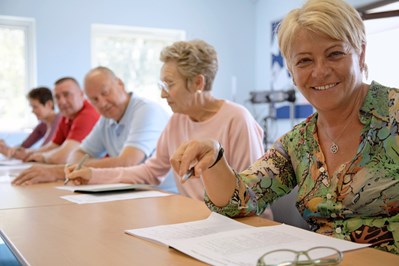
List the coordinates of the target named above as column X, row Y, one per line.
column 3, row 147
column 19, row 153
column 39, row 174
column 35, row 157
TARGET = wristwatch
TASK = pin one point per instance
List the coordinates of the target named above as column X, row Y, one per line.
column 220, row 155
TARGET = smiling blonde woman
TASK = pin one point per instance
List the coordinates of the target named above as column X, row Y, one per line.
column 344, row 158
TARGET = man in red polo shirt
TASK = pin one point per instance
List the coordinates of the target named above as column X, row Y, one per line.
column 78, row 118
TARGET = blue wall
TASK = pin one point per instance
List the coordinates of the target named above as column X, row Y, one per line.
column 63, row 32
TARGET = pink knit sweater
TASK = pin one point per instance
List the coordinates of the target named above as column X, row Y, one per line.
column 233, row 126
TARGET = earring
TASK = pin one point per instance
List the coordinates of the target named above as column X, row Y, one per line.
column 198, row 91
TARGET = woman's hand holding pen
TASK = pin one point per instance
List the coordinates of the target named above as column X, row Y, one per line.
column 194, row 157
column 218, row 178
column 77, row 173
column 13, row 152
column 78, row 177
column 19, row 153
column 3, row 147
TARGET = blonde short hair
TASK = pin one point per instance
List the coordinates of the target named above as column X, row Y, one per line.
column 195, row 57
column 333, row 18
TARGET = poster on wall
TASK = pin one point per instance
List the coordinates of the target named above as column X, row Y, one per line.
column 282, row 80
column 286, row 104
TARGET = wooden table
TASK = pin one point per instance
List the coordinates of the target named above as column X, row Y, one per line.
column 93, row 234
column 40, row 195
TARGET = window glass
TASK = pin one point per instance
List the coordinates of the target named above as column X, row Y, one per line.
column 133, row 54
column 382, row 54
column 17, row 73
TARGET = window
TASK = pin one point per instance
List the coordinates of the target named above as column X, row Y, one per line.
column 17, row 72
column 382, row 29
column 133, row 54
column 382, row 54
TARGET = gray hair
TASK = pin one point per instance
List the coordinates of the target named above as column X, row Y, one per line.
column 195, row 57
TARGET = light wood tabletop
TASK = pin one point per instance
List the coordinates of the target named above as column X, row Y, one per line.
column 93, row 234
column 38, row 195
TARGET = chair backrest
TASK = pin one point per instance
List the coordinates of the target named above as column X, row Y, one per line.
column 169, row 184
column 285, row 211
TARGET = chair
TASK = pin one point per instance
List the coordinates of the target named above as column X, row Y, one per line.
column 285, row 211
column 169, row 184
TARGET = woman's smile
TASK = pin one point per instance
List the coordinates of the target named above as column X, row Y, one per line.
column 325, row 87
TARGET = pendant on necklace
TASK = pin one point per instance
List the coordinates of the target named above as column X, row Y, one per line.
column 325, row 182
column 334, row 148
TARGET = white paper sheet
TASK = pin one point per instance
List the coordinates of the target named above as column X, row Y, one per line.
column 166, row 233
column 6, row 161
column 73, row 188
column 242, row 246
column 13, row 170
column 6, row 178
column 96, row 198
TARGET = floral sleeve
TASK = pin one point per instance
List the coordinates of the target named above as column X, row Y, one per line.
column 270, row 177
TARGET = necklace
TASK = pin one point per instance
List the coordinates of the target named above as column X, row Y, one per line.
column 334, row 146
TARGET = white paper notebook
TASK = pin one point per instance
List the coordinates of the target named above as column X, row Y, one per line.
column 100, row 188
column 110, row 192
column 219, row 240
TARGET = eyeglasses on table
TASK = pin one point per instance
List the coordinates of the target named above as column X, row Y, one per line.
column 314, row 256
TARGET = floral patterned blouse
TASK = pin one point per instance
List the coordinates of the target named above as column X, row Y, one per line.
column 359, row 202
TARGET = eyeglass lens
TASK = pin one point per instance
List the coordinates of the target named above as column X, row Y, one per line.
column 162, row 85
column 313, row 256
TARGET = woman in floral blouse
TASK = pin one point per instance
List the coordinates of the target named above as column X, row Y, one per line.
column 344, row 158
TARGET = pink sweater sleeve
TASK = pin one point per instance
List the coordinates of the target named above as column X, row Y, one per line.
column 152, row 172
column 130, row 175
column 244, row 143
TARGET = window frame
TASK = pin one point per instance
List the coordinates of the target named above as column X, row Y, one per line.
column 133, row 31
column 146, row 33
column 28, row 26
column 380, row 9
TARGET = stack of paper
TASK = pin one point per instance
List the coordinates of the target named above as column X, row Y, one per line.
column 219, row 240
column 109, row 192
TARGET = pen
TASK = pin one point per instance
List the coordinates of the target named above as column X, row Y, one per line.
column 188, row 174
column 80, row 164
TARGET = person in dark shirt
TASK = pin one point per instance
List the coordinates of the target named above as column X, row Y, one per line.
column 42, row 103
